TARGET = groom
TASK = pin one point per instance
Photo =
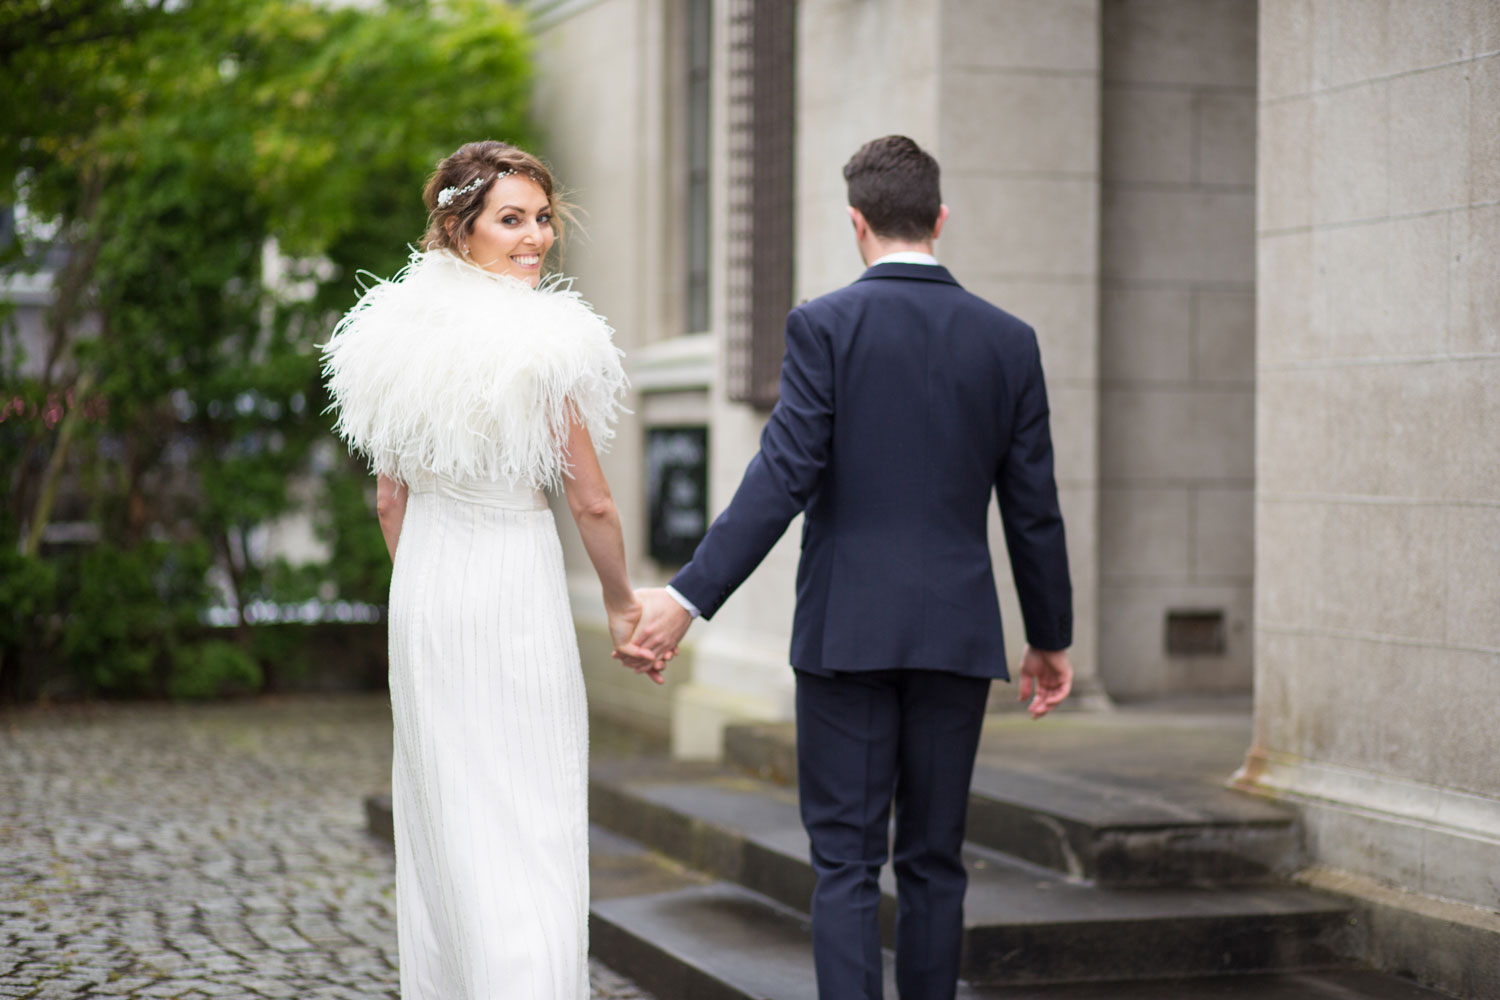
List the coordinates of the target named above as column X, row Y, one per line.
column 905, row 401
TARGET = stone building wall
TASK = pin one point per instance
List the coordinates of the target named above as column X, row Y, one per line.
column 1177, row 342
column 1378, row 439
column 1018, row 140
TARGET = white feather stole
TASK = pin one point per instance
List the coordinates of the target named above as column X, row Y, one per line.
column 448, row 369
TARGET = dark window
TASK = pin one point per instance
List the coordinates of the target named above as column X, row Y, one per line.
column 700, row 54
column 761, row 268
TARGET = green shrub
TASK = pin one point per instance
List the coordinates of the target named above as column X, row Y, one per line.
column 210, row 668
column 125, row 615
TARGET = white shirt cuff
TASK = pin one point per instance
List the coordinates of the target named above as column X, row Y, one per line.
column 687, row 605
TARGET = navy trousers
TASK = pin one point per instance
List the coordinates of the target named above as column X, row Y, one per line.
column 864, row 739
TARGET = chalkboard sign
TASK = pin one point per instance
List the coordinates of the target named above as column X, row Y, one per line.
column 676, row 491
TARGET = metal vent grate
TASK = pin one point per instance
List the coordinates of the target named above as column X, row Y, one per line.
column 1195, row 633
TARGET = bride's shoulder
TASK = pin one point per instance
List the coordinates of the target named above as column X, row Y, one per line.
column 560, row 299
column 457, row 290
column 448, row 369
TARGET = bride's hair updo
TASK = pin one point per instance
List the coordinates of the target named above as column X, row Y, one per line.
column 456, row 191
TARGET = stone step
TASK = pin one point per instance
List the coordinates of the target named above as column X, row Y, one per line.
column 1023, row 923
column 680, row 934
column 1102, row 825
column 718, row 941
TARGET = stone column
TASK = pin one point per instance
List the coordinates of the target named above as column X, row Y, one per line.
column 1006, row 94
column 1378, row 438
column 1018, row 137
column 1177, row 352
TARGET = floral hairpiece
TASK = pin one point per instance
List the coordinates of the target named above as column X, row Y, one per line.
column 447, row 194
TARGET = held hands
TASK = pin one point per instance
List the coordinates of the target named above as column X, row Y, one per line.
column 622, row 625
column 1049, row 675
column 658, row 631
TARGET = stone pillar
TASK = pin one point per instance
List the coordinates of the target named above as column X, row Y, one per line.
column 1177, row 350
column 1378, row 438
column 1006, row 95
column 1018, row 137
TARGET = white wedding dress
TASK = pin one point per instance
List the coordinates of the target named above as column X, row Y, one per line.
column 460, row 384
column 489, row 784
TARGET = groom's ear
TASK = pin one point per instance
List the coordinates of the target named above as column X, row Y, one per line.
column 861, row 225
column 937, row 229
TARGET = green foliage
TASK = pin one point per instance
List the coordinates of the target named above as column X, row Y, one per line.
column 282, row 651
column 360, row 566
column 27, row 585
column 170, row 144
column 130, row 614
column 208, row 668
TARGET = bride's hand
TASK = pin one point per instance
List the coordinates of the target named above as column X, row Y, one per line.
column 623, row 622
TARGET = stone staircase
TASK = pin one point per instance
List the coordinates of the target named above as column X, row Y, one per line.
column 1084, row 882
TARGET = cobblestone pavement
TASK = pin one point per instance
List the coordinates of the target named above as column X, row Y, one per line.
column 200, row 851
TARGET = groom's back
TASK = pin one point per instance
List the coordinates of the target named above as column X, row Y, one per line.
column 928, row 381
column 905, row 402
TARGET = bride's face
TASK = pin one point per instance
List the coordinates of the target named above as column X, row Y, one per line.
column 514, row 231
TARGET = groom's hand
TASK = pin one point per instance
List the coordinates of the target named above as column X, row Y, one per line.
column 1046, row 678
column 663, row 624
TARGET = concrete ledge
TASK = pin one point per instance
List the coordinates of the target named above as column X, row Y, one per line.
column 1448, row 946
column 701, row 715
column 677, row 365
column 620, row 696
column 1084, row 813
column 736, row 678
column 1435, row 841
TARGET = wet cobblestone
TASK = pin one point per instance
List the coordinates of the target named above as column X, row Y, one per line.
column 200, row 851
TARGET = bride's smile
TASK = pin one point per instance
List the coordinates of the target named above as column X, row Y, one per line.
column 513, row 232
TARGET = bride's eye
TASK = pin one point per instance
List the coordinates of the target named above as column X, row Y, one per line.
column 545, row 219
column 509, row 220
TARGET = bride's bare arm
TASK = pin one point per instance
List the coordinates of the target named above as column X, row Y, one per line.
column 390, row 508
column 593, row 509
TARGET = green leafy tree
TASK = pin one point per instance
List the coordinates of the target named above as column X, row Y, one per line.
column 175, row 400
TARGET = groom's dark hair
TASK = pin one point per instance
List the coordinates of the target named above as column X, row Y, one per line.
column 894, row 184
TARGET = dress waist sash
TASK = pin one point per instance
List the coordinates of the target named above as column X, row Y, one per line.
column 508, row 496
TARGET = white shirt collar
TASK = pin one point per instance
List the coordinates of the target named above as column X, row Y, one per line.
column 905, row 257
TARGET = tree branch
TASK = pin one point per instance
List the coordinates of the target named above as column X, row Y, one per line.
column 42, row 512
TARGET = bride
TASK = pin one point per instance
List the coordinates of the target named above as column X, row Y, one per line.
column 471, row 385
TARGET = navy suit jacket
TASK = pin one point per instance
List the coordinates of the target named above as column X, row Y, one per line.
column 904, row 401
